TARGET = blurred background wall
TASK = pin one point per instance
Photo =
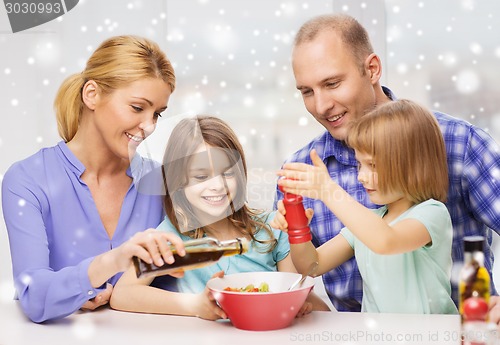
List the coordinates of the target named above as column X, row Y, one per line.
column 232, row 59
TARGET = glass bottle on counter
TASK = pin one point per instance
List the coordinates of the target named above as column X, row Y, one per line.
column 474, row 284
column 199, row 253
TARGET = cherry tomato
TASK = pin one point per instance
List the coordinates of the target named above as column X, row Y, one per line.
column 475, row 308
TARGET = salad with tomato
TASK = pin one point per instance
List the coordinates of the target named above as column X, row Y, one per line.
column 263, row 287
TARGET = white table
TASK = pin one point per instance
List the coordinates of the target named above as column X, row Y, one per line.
column 107, row 326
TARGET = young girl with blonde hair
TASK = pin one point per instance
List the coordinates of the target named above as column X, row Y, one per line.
column 403, row 248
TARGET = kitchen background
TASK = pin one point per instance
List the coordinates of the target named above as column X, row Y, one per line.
column 232, row 59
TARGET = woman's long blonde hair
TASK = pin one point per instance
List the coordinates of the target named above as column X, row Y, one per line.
column 117, row 62
column 408, row 148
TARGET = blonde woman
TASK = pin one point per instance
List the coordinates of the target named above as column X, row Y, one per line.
column 403, row 248
column 66, row 206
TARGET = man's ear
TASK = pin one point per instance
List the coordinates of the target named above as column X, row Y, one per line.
column 373, row 66
column 90, row 94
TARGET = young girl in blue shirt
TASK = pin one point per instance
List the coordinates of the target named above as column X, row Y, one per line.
column 204, row 174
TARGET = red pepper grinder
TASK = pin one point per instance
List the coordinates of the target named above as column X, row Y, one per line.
column 298, row 229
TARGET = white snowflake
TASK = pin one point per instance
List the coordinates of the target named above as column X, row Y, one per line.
column 468, row 82
column 83, row 328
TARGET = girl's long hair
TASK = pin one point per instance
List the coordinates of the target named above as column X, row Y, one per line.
column 408, row 147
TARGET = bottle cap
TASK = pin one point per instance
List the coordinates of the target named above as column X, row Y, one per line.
column 244, row 243
column 473, row 243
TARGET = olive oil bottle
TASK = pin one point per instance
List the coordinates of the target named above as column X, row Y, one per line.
column 199, row 253
column 474, row 284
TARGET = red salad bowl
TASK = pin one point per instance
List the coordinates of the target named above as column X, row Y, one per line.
column 261, row 311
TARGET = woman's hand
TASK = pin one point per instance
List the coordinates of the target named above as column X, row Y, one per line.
column 311, row 181
column 207, row 307
column 152, row 246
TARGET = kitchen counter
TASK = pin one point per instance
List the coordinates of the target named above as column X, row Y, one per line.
column 106, row 326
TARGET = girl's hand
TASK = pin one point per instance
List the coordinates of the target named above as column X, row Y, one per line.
column 279, row 221
column 306, row 308
column 101, row 299
column 207, row 307
column 311, row 181
column 151, row 245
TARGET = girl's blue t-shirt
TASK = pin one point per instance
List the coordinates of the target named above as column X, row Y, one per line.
column 255, row 260
column 415, row 282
